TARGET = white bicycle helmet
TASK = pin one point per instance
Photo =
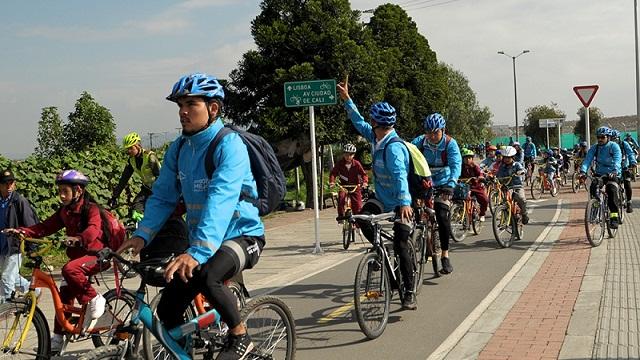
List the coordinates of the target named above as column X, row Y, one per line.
column 509, row 151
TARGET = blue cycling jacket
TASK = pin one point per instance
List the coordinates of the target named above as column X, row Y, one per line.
column 391, row 178
column 441, row 175
column 519, row 157
column 487, row 162
column 215, row 212
column 629, row 156
column 529, row 149
column 609, row 159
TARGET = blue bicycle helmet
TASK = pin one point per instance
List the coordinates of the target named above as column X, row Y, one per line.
column 197, row 84
column 583, row 144
column 615, row 133
column 549, row 152
column 434, row 121
column 383, row 114
column 603, row 130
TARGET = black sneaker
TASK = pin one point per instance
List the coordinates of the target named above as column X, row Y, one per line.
column 236, row 348
column 629, row 208
column 613, row 223
column 409, row 302
column 446, row 266
column 525, row 218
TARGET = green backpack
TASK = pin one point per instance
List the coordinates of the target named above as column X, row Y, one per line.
column 418, row 173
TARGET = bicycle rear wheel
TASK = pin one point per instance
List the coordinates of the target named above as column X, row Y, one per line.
column 272, row 328
column 502, row 227
column 36, row 344
column 414, row 255
column 433, row 245
column 458, row 222
column 372, row 295
column 594, row 222
column 419, row 241
column 537, row 188
column 120, row 308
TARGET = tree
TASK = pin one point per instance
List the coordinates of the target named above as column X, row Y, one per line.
column 532, row 126
column 415, row 84
column 50, row 136
column 595, row 118
column 466, row 120
column 91, row 124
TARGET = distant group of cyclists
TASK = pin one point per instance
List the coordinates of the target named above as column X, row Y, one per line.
column 449, row 163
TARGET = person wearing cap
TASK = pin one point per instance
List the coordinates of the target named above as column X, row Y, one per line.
column 510, row 168
column 350, row 172
column 471, row 170
column 146, row 165
column 80, row 216
column 491, row 157
column 15, row 211
column 530, row 153
column 519, row 153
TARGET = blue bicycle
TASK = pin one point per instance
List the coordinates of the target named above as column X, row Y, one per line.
column 268, row 320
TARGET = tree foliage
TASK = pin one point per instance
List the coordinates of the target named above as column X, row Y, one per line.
column 91, row 124
column 595, row 118
column 467, row 121
column 532, row 127
column 50, row 136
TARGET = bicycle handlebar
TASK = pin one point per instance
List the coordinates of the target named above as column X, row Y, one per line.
column 24, row 239
column 374, row 219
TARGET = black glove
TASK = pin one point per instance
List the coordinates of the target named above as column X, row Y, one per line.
column 112, row 203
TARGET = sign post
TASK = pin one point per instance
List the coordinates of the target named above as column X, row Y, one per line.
column 549, row 123
column 309, row 94
column 586, row 94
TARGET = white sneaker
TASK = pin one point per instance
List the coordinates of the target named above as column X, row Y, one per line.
column 482, row 219
column 57, row 341
column 96, row 306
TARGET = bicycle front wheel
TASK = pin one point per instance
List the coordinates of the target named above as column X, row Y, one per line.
column 458, row 222
column 594, row 222
column 110, row 352
column 272, row 328
column 537, row 188
column 494, row 200
column 575, row 182
column 372, row 295
column 476, row 224
column 346, row 234
column 502, row 227
column 36, row 345
column 418, row 240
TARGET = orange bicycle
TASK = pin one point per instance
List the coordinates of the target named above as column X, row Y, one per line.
column 465, row 211
column 24, row 330
column 507, row 220
column 542, row 183
column 348, row 229
column 494, row 192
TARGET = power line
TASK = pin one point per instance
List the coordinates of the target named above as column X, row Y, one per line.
column 431, row 5
column 406, row 3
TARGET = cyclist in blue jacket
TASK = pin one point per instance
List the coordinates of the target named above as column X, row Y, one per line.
column 530, row 153
column 629, row 161
column 391, row 179
column 608, row 159
column 226, row 234
column 443, row 155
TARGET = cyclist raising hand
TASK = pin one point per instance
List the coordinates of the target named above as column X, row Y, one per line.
column 391, row 180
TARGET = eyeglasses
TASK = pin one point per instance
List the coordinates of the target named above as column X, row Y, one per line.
column 433, row 132
column 601, row 136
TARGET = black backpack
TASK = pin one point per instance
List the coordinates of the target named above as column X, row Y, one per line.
column 265, row 167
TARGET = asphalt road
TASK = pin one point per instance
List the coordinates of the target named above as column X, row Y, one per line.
column 323, row 304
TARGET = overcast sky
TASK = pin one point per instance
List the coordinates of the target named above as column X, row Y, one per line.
column 128, row 54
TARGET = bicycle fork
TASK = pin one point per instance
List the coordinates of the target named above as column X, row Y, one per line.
column 31, row 297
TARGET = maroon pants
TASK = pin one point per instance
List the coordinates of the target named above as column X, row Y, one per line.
column 76, row 275
column 483, row 199
column 356, row 202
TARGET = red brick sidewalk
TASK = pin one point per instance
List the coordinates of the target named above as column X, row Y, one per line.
column 536, row 325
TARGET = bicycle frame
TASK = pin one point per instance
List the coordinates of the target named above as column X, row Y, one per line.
column 40, row 279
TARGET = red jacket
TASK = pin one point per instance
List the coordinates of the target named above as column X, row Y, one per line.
column 69, row 217
column 469, row 171
column 353, row 176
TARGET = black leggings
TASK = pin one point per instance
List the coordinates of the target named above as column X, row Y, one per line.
column 209, row 281
column 611, row 188
column 444, row 224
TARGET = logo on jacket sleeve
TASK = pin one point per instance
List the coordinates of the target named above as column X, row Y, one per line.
column 201, row 185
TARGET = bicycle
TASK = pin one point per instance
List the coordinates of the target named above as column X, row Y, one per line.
column 465, row 211
column 542, row 183
column 494, row 192
column 596, row 215
column 577, row 182
column 348, row 229
column 377, row 276
column 268, row 320
column 20, row 313
column 529, row 171
column 507, row 218
column 426, row 238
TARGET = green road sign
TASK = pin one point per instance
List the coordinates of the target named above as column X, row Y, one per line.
column 310, row 93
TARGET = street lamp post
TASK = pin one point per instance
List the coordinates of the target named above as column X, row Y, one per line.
column 515, row 87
